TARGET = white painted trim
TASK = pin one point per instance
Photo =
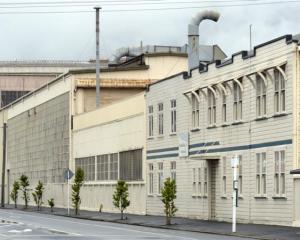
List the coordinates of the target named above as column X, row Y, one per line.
column 239, row 83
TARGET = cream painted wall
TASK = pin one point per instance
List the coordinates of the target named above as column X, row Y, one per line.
column 159, row 67
column 111, row 129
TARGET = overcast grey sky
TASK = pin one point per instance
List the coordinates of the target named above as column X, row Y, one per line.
column 71, row 36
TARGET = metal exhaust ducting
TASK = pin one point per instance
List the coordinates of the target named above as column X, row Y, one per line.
column 193, row 35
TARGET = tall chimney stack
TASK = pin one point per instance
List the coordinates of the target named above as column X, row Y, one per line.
column 193, row 36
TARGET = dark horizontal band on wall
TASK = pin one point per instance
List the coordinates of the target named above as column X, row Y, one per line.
column 204, row 144
column 225, row 149
column 163, row 150
column 163, row 156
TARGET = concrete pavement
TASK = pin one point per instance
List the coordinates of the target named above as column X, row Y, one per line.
column 15, row 224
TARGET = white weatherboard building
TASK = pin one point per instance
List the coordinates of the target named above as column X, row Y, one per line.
column 248, row 106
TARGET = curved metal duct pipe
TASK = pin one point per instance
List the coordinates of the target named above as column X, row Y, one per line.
column 193, row 35
column 122, row 53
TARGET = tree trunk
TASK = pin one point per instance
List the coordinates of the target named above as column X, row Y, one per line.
column 122, row 215
column 15, row 204
column 168, row 220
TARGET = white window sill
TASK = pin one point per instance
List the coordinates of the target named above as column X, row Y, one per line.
column 260, row 197
column 238, row 122
column 195, row 129
column 280, row 114
column 283, row 197
column 224, row 197
column 261, row 118
column 160, row 136
column 173, row 134
column 151, row 195
column 150, row 138
column 212, row 126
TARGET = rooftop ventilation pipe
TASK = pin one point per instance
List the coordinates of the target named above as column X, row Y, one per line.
column 193, row 35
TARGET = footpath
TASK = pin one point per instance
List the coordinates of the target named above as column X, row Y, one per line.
column 255, row 231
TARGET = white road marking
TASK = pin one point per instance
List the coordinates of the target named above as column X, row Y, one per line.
column 59, row 218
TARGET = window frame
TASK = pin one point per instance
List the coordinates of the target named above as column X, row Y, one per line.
column 279, row 91
column 237, row 101
column 261, row 174
column 195, row 112
column 261, row 97
column 280, row 173
column 173, row 104
column 160, row 177
column 150, row 121
column 211, row 108
column 160, row 118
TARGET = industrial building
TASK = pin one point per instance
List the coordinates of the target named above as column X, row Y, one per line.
column 245, row 106
column 18, row 78
column 41, row 125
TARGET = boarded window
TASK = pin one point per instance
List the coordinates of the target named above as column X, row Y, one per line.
column 131, row 165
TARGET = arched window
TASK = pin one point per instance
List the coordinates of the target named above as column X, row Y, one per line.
column 261, row 97
column 279, row 91
column 211, row 108
column 195, row 112
column 237, row 101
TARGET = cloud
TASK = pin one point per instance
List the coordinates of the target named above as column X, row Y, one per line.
column 71, row 36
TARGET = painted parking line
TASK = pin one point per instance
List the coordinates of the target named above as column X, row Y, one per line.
column 78, row 221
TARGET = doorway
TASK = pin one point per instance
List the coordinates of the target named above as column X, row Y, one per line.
column 212, row 173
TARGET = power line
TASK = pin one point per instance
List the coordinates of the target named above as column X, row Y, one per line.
column 131, row 3
column 155, row 9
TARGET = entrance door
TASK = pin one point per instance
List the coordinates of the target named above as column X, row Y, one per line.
column 212, row 166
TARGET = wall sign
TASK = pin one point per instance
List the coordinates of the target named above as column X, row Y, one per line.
column 183, row 139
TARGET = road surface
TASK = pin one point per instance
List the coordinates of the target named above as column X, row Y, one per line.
column 29, row 225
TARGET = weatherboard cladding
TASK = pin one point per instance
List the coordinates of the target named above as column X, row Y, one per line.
column 161, row 153
column 247, row 138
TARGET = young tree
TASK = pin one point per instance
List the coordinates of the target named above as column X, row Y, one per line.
column 120, row 197
column 15, row 192
column 24, row 184
column 168, row 196
column 38, row 195
column 51, row 203
column 78, row 182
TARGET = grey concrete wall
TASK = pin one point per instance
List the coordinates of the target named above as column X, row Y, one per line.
column 38, row 142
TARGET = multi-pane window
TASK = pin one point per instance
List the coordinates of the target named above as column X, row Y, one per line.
column 205, row 184
column 173, row 116
column 113, row 166
column 103, row 167
column 150, row 121
column 87, row 164
column 211, row 108
column 279, row 186
column 160, row 176
column 240, row 174
column 173, row 171
column 224, row 168
column 199, row 182
column 195, row 112
column 261, row 171
column 151, row 180
column 130, row 162
column 237, row 101
column 224, row 108
column 261, row 97
column 279, row 93
column 160, row 119
column 194, row 182
column 107, row 167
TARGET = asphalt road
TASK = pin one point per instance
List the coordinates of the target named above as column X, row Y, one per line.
column 28, row 225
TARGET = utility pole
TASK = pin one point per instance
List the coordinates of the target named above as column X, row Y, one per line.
column 3, row 166
column 235, row 166
column 97, row 58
